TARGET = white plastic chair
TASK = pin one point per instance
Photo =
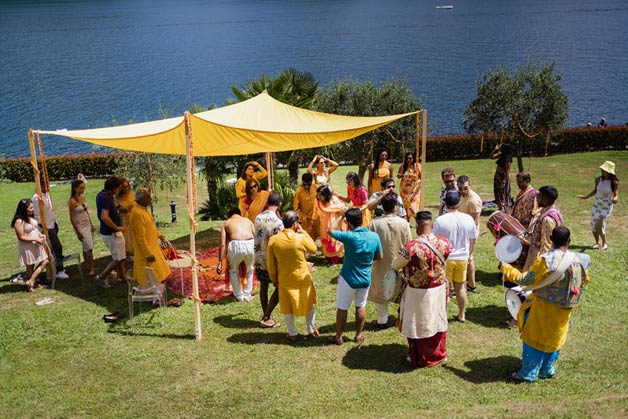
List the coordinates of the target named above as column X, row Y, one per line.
column 151, row 292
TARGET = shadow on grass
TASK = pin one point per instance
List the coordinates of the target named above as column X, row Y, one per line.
column 488, row 370
column 487, row 279
column 236, row 322
column 274, row 338
column 488, row 316
column 113, row 299
column 124, row 331
column 385, row 358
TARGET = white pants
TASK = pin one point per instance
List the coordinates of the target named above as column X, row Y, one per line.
column 310, row 322
column 382, row 313
column 241, row 251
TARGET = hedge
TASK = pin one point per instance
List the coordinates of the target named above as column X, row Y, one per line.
column 457, row 147
column 60, row 167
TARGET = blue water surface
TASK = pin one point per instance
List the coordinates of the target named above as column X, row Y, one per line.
column 86, row 63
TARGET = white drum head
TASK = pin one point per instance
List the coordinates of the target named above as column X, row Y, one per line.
column 508, row 249
column 514, row 297
column 513, row 302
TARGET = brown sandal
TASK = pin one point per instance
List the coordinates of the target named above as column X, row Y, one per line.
column 333, row 341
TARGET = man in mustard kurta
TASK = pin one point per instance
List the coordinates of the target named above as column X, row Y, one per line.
column 289, row 271
column 146, row 237
column 557, row 279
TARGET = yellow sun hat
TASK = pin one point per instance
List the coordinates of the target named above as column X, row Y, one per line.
column 608, row 167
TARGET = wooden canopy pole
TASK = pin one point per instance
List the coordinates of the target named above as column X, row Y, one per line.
column 191, row 209
column 51, row 269
column 269, row 168
column 423, row 155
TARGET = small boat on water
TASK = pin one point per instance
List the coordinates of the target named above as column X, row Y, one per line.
column 446, row 6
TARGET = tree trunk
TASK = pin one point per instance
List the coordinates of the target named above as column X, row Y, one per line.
column 294, row 162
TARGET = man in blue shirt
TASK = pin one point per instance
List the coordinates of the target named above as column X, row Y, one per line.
column 111, row 231
column 361, row 248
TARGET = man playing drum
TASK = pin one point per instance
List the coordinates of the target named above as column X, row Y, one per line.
column 557, row 279
column 525, row 202
column 545, row 219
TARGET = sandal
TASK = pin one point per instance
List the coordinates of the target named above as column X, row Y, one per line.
column 333, row 341
column 516, row 377
column 269, row 324
column 595, row 246
column 292, row 339
column 604, row 246
column 30, row 287
column 458, row 319
column 313, row 334
column 360, row 339
column 175, row 302
column 379, row 326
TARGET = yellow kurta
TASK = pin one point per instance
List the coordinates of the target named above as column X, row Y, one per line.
column 547, row 324
column 146, row 243
column 288, row 268
column 304, row 201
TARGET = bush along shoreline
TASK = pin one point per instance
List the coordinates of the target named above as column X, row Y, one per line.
column 455, row 147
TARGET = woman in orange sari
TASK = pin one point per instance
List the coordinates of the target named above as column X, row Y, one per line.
column 256, row 200
column 410, row 185
column 379, row 170
column 327, row 209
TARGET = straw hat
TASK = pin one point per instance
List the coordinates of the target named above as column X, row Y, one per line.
column 608, row 167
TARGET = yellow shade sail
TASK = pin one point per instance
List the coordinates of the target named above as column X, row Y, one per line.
column 260, row 124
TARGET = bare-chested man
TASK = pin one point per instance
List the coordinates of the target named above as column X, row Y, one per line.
column 237, row 236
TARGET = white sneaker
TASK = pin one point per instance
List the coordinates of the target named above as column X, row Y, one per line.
column 61, row 275
column 102, row 282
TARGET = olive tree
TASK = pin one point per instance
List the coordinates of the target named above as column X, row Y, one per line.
column 365, row 98
column 529, row 103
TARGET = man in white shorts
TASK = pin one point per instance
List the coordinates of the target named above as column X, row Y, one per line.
column 237, row 237
column 361, row 248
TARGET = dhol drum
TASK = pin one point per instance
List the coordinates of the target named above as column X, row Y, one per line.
column 501, row 225
column 515, row 296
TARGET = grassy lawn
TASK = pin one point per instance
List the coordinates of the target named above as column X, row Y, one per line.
column 62, row 360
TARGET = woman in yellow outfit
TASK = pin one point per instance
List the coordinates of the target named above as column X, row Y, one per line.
column 379, row 170
column 145, row 241
column 248, row 173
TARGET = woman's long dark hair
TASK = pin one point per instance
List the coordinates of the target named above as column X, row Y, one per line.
column 376, row 164
column 355, row 179
column 75, row 184
column 325, row 191
column 404, row 165
column 243, row 172
column 614, row 182
column 21, row 213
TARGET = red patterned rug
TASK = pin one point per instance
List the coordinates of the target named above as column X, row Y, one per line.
column 211, row 285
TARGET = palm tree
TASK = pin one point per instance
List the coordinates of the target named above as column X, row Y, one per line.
column 296, row 88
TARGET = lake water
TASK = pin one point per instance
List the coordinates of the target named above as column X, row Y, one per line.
column 83, row 63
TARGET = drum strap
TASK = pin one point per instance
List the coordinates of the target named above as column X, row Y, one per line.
column 565, row 263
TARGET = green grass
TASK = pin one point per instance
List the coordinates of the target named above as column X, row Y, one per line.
column 62, row 360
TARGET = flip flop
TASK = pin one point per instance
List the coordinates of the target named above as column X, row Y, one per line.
column 516, row 377
column 360, row 339
column 333, row 341
column 269, row 324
